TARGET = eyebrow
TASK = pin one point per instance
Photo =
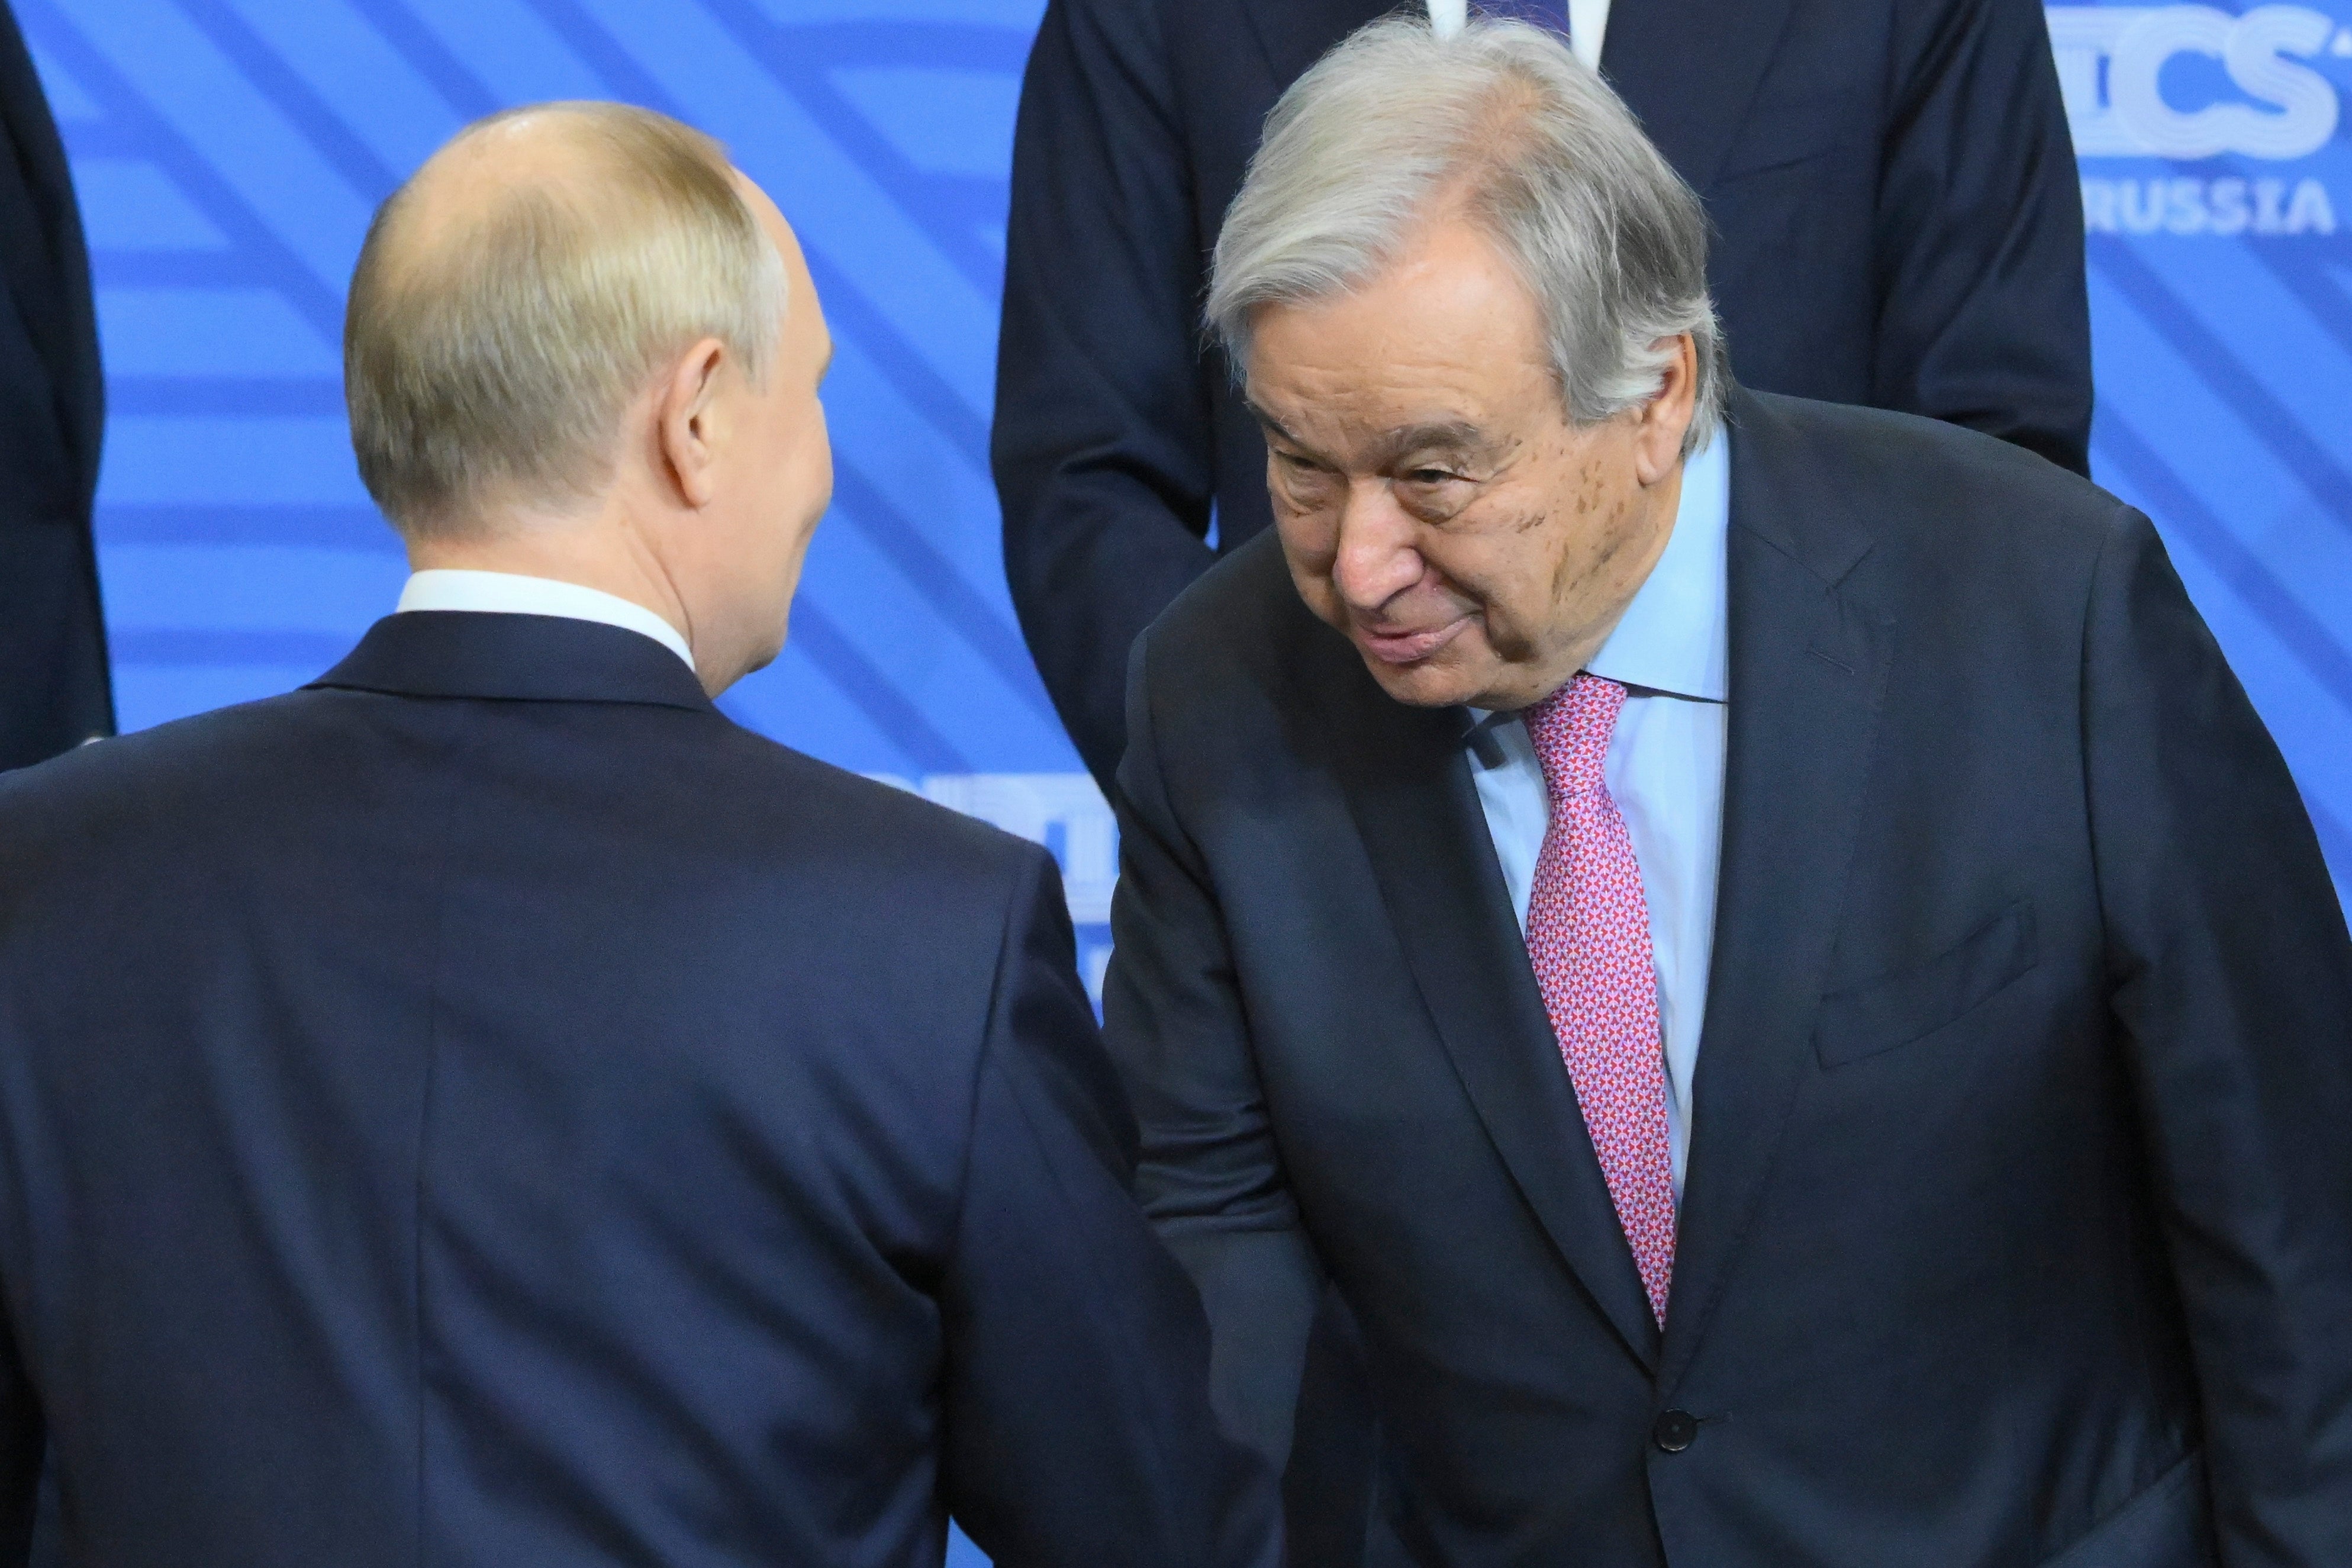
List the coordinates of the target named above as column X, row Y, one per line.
column 1271, row 423
column 1449, row 435
column 1453, row 435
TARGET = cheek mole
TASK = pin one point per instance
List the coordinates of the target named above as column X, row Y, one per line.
column 1566, row 577
column 1588, row 487
column 1577, row 570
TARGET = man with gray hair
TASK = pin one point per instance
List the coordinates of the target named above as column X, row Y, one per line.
column 486, row 1107
column 1757, row 944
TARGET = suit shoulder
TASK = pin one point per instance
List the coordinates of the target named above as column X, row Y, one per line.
column 189, row 750
column 1937, row 485
column 1243, row 612
column 886, row 820
column 184, row 780
column 177, row 792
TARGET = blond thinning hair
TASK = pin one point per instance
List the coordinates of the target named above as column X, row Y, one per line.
column 490, row 361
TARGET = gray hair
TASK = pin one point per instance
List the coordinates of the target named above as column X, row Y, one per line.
column 490, row 360
column 1544, row 156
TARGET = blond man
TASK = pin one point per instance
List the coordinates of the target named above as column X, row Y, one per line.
column 486, row 1107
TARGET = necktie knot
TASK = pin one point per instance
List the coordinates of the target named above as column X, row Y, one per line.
column 1571, row 729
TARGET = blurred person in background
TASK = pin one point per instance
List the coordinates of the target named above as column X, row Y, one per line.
column 54, row 690
column 486, row 1107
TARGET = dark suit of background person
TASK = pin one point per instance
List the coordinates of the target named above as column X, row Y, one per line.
column 1892, row 180
column 486, row 1107
column 54, row 692
column 2017, row 1227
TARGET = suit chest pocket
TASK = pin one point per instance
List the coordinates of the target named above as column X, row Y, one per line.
column 1894, row 1009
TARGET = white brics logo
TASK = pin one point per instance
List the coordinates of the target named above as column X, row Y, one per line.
column 2112, row 63
column 2220, row 207
column 2127, row 116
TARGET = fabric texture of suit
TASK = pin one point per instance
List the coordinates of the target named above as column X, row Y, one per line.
column 1897, row 217
column 2018, row 1227
column 489, row 1108
column 54, row 689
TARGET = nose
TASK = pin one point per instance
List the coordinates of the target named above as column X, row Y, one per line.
column 1376, row 559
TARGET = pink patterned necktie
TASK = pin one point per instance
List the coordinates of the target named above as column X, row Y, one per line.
column 1588, row 938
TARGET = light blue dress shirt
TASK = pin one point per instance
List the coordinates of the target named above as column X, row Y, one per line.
column 1672, row 653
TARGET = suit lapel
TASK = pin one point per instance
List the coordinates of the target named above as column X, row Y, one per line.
column 1809, row 662
column 1408, row 785
column 1689, row 69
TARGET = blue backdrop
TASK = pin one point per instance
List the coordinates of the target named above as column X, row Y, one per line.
column 2217, row 170
column 228, row 153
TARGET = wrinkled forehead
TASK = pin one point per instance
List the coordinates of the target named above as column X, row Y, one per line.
column 1447, row 310
column 1370, row 392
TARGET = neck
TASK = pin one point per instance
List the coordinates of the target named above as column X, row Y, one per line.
column 589, row 552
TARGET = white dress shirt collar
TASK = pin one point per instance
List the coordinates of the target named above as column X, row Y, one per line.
column 512, row 593
column 1675, row 635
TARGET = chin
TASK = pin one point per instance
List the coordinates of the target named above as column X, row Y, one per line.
column 1430, row 683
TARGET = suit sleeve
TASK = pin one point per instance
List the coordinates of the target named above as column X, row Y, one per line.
column 1211, row 1175
column 1983, row 318
column 54, row 691
column 1102, row 447
column 1079, row 1429
column 2232, row 982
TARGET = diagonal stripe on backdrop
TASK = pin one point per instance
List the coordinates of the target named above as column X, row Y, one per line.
column 320, row 125
column 263, row 255
column 427, row 56
column 2273, row 422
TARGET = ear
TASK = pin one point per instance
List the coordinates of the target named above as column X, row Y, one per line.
column 1666, row 418
column 688, row 423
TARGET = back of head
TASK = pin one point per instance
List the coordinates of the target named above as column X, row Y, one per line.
column 1397, row 123
column 514, row 296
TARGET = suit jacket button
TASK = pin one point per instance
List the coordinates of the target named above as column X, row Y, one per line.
column 1674, row 1430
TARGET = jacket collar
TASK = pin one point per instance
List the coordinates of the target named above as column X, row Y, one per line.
column 1691, row 101
column 1406, row 776
column 1810, row 647
column 523, row 658
column 1293, row 34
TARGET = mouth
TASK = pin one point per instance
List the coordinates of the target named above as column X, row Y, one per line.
column 1408, row 647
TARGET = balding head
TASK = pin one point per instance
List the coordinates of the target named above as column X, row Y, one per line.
column 524, row 286
column 569, row 355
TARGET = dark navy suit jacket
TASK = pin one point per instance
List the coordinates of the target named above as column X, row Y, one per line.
column 2018, row 1224
column 1891, row 181
column 489, row 1108
column 54, row 692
